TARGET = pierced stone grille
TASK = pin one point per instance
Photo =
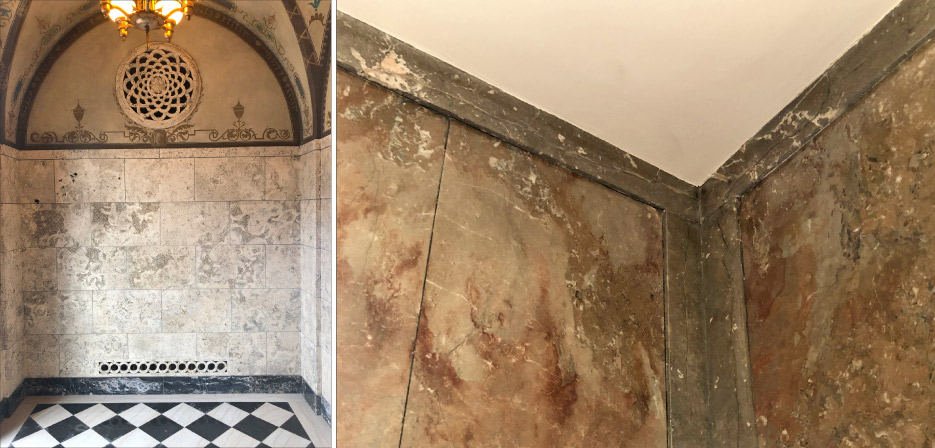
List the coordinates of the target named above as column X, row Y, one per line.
column 160, row 87
column 161, row 367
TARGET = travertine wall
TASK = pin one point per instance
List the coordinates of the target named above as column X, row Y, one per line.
column 838, row 255
column 152, row 254
column 315, row 190
column 488, row 297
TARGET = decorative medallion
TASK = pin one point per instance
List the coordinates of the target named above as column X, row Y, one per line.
column 160, row 87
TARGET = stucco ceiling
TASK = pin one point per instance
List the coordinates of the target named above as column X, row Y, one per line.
column 681, row 84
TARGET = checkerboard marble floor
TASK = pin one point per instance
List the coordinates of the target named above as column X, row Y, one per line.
column 165, row 421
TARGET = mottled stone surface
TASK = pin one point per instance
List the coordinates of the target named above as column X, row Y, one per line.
column 127, row 312
column 838, row 254
column 229, row 179
column 389, row 159
column 898, row 34
column 196, row 310
column 228, row 266
column 265, row 222
column 195, row 223
column 266, row 310
column 561, row 333
column 160, row 180
column 728, row 385
column 89, row 180
column 125, row 224
column 685, row 333
column 383, row 59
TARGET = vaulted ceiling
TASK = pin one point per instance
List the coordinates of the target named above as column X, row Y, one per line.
column 294, row 34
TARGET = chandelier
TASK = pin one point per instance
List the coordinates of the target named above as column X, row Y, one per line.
column 147, row 15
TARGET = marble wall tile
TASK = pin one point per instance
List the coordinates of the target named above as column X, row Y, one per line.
column 309, row 233
column 310, row 316
column 284, row 266
column 266, row 310
column 282, row 178
column 310, row 274
column 92, row 268
column 245, row 352
column 43, row 357
column 11, row 368
column 282, row 351
column 382, row 240
column 161, row 267
column 324, row 275
column 162, row 346
column 13, row 315
column 160, row 180
column 226, row 266
column 125, row 224
column 265, row 222
column 324, row 319
column 11, row 271
column 196, row 310
column 326, row 379
column 324, row 174
column 81, row 352
column 837, row 257
column 9, row 185
column 195, row 223
column 90, row 180
column 311, row 365
column 553, row 338
column 36, row 181
column 38, row 269
column 126, row 311
column 229, row 179
column 56, row 225
column 308, row 175
column 10, row 224
column 49, row 312
column 324, row 224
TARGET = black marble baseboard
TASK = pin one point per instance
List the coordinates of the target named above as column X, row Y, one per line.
column 152, row 385
column 9, row 404
column 317, row 403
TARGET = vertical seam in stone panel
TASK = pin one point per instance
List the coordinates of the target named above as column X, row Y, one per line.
column 709, row 422
column 665, row 320
column 428, row 259
column 126, row 198
column 746, row 328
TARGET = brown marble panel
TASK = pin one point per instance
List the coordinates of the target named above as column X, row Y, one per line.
column 389, row 161
column 838, row 256
column 542, row 323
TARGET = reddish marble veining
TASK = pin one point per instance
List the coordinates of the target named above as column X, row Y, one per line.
column 840, row 290
column 542, row 323
column 389, row 159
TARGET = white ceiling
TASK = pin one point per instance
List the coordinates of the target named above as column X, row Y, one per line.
column 681, row 84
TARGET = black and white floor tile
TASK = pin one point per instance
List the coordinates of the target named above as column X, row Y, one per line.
column 183, row 423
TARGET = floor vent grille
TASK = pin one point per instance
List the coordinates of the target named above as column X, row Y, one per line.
column 120, row 368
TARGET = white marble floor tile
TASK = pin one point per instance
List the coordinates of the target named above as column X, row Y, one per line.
column 273, row 414
column 135, row 439
column 185, row 439
column 94, row 415
column 87, row 439
column 183, row 414
column 283, row 439
column 50, row 416
column 235, row 439
column 139, row 414
column 228, row 414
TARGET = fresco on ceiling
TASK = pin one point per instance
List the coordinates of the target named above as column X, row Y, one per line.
column 271, row 22
column 7, row 9
column 315, row 13
column 239, row 101
column 47, row 21
column 44, row 24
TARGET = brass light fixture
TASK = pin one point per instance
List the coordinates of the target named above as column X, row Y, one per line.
column 147, row 15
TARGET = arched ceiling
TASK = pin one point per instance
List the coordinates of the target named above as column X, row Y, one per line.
column 297, row 32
